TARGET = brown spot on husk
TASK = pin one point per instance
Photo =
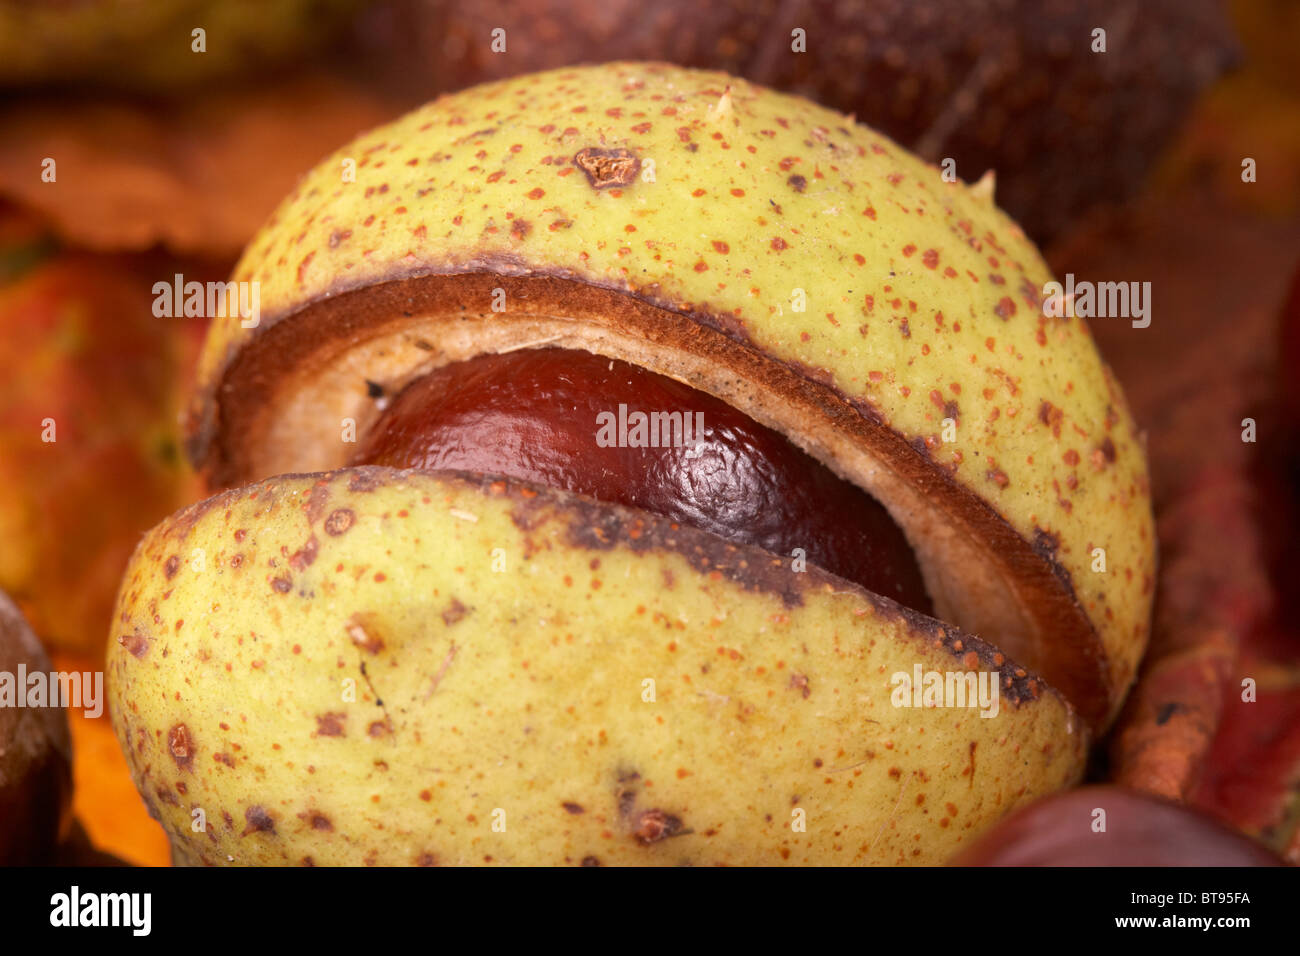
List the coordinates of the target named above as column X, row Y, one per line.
column 181, row 746
column 655, row 825
column 605, row 168
column 137, row 644
column 258, row 821
column 454, row 612
column 339, row 521
column 330, row 725
column 365, row 634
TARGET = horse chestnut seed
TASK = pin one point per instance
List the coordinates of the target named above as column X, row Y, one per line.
column 618, row 433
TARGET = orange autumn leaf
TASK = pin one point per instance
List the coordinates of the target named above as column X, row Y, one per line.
column 198, row 175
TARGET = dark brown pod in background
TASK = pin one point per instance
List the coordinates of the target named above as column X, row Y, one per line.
column 35, row 754
column 1009, row 85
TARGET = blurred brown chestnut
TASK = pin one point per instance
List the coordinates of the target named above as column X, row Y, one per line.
column 1139, row 830
column 35, row 752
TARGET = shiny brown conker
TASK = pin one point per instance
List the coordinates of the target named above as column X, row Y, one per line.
column 614, row 431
